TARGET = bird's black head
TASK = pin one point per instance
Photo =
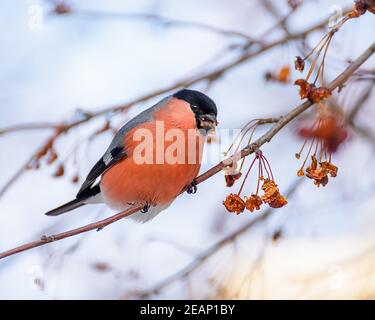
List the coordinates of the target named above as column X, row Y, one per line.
column 203, row 107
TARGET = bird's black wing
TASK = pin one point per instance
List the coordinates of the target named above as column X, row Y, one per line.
column 105, row 162
column 116, row 150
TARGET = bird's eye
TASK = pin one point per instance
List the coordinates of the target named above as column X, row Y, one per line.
column 194, row 108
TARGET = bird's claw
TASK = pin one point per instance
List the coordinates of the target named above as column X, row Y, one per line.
column 192, row 187
column 146, row 207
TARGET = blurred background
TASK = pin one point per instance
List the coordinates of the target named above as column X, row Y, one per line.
column 64, row 62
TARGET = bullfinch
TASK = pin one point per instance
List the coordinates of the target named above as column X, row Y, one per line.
column 152, row 158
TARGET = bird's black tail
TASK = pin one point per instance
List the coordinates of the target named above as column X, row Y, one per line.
column 76, row 203
column 81, row 200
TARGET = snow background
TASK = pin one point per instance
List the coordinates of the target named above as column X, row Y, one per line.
column 77, row 62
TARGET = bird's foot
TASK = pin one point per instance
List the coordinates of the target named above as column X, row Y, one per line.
column 192, row 187
column 146, row 207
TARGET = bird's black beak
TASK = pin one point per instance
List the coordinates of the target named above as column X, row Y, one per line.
column 208, row 122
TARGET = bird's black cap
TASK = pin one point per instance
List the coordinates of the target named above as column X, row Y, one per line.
column 198, row 100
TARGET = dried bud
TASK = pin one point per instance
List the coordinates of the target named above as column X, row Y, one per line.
column 230, row 179
column 310, row 91
column 299, row 64
column 277, row 235
column 253, row 203
column 52, row 157
column 234, row 203
column 101, row 267
column 282, row 75
column 279, row 202
column 360, row 8
column 319, row 94
column 294, row 4
column 62, row 8
column 330, row 168
column 60, row 171
column 272, row 194
column 75, row 178
column 268, row 76
column 304, row 88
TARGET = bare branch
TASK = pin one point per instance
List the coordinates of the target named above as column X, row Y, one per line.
column 92, row 226
column 60, row 129
column 338, row 82
column 28, row 126
column 282, row 21
column 162, row 20
column 364, row 132
column 360, row 103
column 15, row 176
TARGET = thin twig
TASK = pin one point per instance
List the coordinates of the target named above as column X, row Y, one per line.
column 92, row 226
column 338, row 82
column 360, row 103
column 28, row 126
column 12, row 180
column 162, row 20
column 364, row 132
column 60, row 129
column 282, row 20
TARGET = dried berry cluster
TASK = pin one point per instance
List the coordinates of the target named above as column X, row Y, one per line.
column 325, row 135
column 271, row 196
column 319, row 171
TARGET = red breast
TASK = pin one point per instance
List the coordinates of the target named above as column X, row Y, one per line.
column 173, row 138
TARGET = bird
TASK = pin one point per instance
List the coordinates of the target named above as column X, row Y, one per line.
column 152, row 158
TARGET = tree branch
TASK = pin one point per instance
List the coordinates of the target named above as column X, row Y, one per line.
column 164, row 21
column 360, row 103
column 338, row 82
column 28, row 126
column 364, row 132
column 92, row 226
